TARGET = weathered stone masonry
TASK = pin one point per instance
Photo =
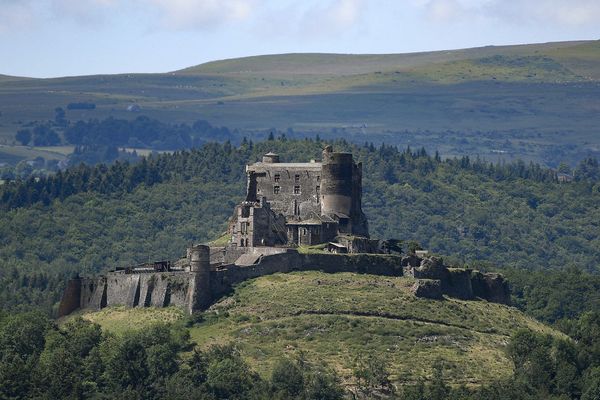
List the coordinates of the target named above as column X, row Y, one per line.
column 286, row 205
column 197, row 289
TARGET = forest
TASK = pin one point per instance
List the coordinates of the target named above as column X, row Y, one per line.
column 513, row 217
column 140, row 132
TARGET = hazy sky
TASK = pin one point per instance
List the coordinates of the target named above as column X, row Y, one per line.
column 44, row 38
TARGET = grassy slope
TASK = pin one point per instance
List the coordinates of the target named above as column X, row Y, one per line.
column 13, row 154
column 337, row 317
column 350, row 64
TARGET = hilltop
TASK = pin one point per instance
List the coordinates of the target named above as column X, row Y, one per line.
column 535, row 102
column 338, row 317
column 295, row 64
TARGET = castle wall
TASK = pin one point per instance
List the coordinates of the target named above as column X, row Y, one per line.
column 277, row 182
column 222, row 280
column 71, row 298
column 217, row 255
column 198, row 289
column 491, row 287
column 458, row 284
column 88, row 287
column 99, row 298
column 161, row 295
column 122, row 289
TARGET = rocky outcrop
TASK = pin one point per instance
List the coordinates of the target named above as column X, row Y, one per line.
column 431, row 268
column 410, row 261
column 460, row 283
column 428, row 288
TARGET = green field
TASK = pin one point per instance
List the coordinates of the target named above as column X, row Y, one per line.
column 14, row 154
column 338, row 317
column 536, row 102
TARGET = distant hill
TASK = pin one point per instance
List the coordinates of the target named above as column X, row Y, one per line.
column 7, row 78
column 351, row 64
column 535, row 102
column 337, row 317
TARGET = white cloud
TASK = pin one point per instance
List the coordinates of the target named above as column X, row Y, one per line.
column 330, row 16
column 15, row 14
column 571, row 13
column 444, row 10
column 85, row 12
column 302, row 19
column 202, row 14
column 25, row 14
column 311, row 19
column 344, row 13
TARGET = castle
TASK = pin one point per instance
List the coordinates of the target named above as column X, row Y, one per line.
column 288, row 207
column 300, row 203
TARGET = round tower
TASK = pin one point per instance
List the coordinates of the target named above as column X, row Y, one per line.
column 336, row 183
column 270, row 158
column 200, row 267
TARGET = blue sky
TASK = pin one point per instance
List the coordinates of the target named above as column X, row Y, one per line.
column 46, row 38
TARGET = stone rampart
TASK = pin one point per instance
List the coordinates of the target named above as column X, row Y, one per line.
column 196, row 290
column 223, row 279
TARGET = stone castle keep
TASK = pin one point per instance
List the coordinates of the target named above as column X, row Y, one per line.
column 287, row 206
column 300, row 203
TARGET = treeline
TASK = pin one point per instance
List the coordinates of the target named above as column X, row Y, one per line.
column 124, row 176
column 141, row 132
column 116, row 178
column 553, row 368
column 554, row 297
column 39, row 360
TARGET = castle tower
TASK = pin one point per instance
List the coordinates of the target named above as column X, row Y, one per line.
column 341, row 192
column 336, row 187
column 200, row 266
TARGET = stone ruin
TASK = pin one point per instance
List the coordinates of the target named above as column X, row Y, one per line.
column 287, row 205
column 434, row 279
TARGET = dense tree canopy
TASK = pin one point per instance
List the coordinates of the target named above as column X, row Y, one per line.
column 40, row 360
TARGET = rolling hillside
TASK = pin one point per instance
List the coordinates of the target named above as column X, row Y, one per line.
column 338, row 317
column 356, row 64
column 536, row 102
